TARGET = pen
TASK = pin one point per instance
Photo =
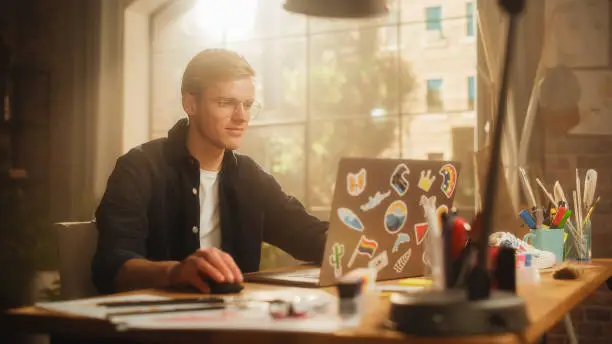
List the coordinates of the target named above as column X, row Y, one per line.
column 539, row 216
column 160, row 311
column 111, row 304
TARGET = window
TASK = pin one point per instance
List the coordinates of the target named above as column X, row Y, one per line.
column 433, row 18
column 471, row 86
column 434, row 95
column 469, row 12
column 329, row 88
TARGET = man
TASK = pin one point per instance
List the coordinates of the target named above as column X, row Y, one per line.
column 187, row 208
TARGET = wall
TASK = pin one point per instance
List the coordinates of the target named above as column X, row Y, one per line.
column 585, row 48
column 58, row 38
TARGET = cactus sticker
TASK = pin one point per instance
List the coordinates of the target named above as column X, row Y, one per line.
column 335, row 259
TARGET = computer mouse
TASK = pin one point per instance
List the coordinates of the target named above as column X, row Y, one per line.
column 224, row 287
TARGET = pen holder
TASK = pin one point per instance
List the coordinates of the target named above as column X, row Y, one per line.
column 547, row 239
column 578, row 242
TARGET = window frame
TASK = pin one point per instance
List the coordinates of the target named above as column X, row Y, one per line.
column 305, row 122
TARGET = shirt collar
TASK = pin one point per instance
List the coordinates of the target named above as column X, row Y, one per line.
column 177, row 145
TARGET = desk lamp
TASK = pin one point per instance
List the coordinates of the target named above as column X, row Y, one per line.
column 475, row 309
column 338, row 8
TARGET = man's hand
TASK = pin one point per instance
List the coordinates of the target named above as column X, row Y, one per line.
column 212, row 263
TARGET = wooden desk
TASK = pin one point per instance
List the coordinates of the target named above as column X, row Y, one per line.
column 546, row 305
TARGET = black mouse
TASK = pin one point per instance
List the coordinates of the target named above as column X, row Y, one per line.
column 224, row 287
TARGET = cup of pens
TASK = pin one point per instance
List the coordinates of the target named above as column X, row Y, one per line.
column 574, row 221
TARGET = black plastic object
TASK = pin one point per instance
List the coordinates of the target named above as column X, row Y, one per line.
column 451, row 313
column 505, row 269
column 224, row 288
column 481, row 289
column 338, row 8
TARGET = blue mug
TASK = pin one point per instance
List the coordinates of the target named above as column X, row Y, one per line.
column 545, row 239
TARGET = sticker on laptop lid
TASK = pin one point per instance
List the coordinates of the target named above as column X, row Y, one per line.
column 365, row 247
column 395, row 217
column 356, row 182
column 426, row 180
column 401, row 238
column 399, row 179
column 443, row 209
column 379, row 262
column 449, row 179
column 402, row 261
column 425, row 258
column 374, row 201
column 350, row 219
column 420, row 231
column 335, row 259
column 427, row 202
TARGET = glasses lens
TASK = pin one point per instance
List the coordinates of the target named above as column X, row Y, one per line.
column 255, row 109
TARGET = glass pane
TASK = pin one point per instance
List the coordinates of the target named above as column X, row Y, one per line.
column 281, row 76
column 166, row 78
column 279, row 150
column 187, row 26
column 334, row 139
column 443, row 137
column 433, row 17
column 259, row 19
column 319, row 25
column 356, row 73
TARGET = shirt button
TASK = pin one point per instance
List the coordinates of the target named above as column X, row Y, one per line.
column 195, row 229
column 194, row 191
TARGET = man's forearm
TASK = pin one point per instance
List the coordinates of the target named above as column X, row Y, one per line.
column 142, row 274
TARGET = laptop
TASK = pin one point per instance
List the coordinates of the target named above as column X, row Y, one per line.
column 377, row 220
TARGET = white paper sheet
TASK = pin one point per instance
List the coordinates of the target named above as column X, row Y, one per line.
column 255, row 317
column 89, row 308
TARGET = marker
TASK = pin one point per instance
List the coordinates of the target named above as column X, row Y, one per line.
column 560, row 213
column 527, row 218
column 566, row 217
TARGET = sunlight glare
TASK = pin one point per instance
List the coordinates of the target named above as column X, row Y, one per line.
column 225, row 19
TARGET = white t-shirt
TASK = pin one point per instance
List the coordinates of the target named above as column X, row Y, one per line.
column 210, row 231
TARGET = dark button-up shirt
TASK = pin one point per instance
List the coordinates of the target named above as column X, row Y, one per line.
column 149, row 210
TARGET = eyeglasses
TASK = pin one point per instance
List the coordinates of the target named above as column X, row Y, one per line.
column 229, row 106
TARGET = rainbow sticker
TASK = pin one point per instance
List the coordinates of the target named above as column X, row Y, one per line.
column 449, row 179
column 356, row 182
column 395, row 216
column 366, row 247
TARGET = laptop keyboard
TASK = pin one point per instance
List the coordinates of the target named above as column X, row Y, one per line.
column 306, row 273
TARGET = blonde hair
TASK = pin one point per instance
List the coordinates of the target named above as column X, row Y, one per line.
column 214, row 65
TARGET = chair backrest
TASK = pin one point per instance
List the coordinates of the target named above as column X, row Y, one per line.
column 77, row 243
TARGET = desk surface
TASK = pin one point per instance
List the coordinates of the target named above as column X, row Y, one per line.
column 546, row 305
